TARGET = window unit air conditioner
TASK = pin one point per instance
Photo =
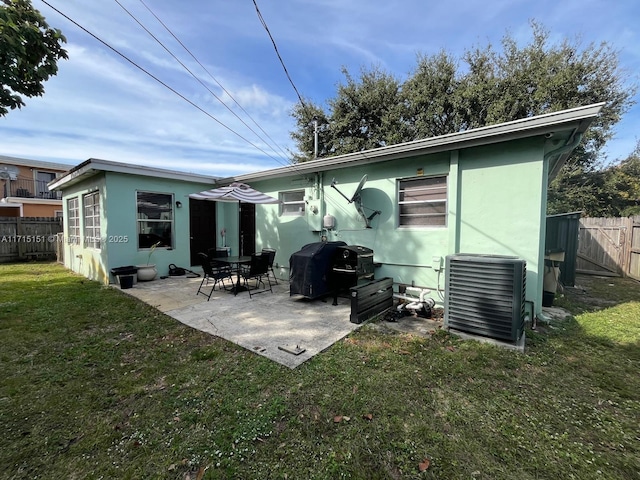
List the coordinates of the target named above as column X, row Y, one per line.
column 9, row 172
column 485, row 295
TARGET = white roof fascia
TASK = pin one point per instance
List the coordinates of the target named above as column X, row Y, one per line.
column 576, row 118
column 8, row 202
column 93, row 166
column 34, row 201
column 37, row 164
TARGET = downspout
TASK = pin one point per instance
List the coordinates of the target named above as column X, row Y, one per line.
column 559, row 151
column 320, row 196
column 319, row 187
column 454, row 202
column 566, row 148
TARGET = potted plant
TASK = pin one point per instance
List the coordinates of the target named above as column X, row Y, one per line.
column 148, row 272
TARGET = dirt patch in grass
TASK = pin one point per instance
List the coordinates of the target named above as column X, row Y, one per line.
column 593, row 292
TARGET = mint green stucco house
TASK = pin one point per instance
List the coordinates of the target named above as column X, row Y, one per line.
column 482, row 191
column 105, row 221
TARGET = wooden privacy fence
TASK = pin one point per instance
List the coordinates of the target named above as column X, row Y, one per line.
column 609, row 246
column 28, row 237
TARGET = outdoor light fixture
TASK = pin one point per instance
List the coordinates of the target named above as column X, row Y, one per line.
column 179, row 204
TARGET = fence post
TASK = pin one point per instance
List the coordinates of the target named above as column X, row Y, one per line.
column 628, row 226
column 22, row 246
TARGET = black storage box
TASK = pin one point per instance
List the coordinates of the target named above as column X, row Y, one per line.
column 126, row 281
column 310, row 269
column 129, row 270
column 125, row 275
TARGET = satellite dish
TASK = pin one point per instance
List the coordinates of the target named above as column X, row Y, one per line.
column 355, row 198
column 9, row 172
column 356, row 194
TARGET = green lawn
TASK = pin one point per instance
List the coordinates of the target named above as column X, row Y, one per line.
column 95, row 384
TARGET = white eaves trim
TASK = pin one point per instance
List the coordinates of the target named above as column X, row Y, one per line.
column 93, row 166
column 576, row 119
column 37, row 164
column 31, row 201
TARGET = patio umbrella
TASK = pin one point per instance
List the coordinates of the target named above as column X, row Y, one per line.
column 235, row 192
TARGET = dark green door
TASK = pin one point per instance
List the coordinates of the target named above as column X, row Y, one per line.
column 247, row 228
column 202, row 227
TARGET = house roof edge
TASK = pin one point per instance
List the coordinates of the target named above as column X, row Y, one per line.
column 93, row 166
column 578, row 118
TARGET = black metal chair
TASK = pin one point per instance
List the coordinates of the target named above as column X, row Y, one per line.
column 212, row 271
column 218, row 252
column 257, row 270
column 271, row 253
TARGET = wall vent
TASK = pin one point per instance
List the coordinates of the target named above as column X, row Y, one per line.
column 485, row 295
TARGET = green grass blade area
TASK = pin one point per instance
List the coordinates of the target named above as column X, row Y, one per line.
column 96, row 384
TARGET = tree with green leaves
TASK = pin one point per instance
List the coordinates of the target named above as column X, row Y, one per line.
column 577, row 190
column 431, row 98
column 613, row 191
column 311, row 121
column 366, row 113
column 492, row 86
column 29, row 53
column 540, row 77
column 624, row 178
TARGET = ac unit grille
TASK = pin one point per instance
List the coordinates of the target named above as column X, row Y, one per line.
column 485, row 295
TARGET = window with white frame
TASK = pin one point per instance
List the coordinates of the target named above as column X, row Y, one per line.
column 155, row 219
column 422, row 202
column 73, row 221
column 292, row 203
column 91, row 204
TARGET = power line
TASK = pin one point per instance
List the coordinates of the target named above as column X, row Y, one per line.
column 158, row 80
column 264, row 24
column 193, row 74
column 217, row 82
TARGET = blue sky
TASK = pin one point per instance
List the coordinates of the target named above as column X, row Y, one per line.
column 101, row 106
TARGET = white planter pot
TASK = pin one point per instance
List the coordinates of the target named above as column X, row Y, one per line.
column 146, row 272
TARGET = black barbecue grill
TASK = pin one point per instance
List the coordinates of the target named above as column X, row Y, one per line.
column 352, row 265
column 310, row 269
column 322, row 268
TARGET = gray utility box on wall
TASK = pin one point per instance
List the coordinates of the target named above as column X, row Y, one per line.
column 485, row 295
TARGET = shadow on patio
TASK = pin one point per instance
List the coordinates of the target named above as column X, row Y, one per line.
column 269, row 324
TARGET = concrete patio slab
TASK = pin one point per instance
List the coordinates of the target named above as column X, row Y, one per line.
column 270, row 324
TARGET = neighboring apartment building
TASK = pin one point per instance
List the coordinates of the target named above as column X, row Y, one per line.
column 23, row 188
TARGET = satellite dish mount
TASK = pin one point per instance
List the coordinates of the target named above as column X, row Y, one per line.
column 356, row 199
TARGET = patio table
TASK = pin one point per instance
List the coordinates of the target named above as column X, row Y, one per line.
column 235, row 262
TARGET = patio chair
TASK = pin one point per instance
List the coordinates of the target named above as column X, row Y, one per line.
column 271, row 253
column 212, row 271
column 257, row 270
column 218, row 252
